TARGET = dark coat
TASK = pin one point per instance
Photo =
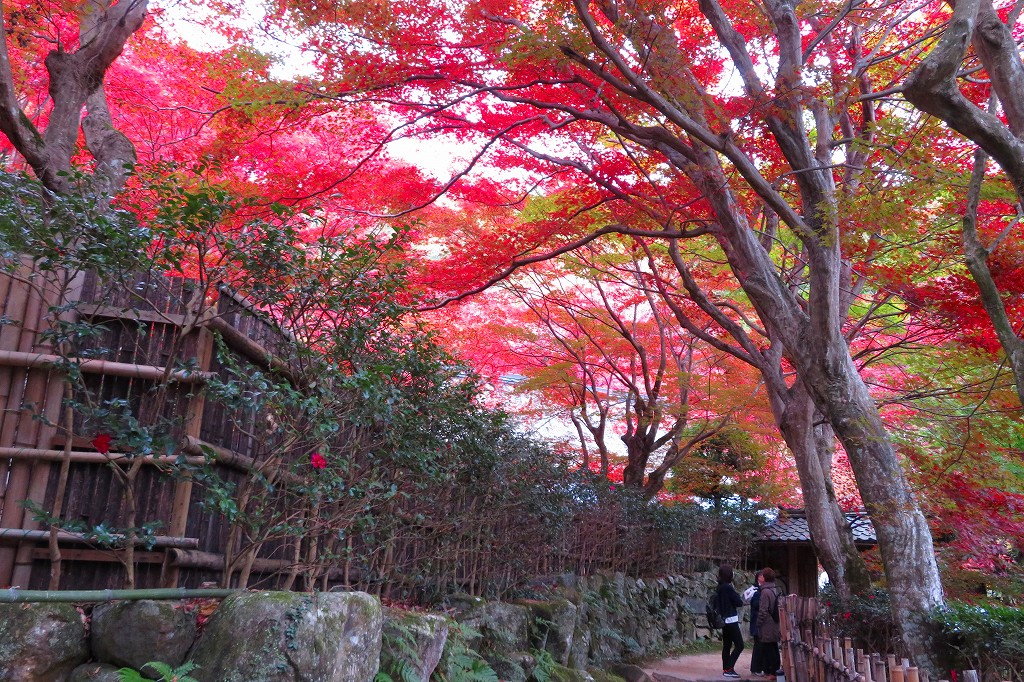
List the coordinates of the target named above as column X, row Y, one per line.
column 767, row 627
column 728, row 600
column 755, row 602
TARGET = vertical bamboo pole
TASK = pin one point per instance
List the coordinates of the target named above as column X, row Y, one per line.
column 33, row 394
column 878, row 667
column 867, row 669
column 21, row 388
column 824, row 645
column 182, row 503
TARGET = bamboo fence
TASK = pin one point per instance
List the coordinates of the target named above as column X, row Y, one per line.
column 160, row 332
column 811, row 654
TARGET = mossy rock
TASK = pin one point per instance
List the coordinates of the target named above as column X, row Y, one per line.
column 552, row 626
column 502, row 627
column 133, row 633
column 413, row 642
column 40, row 642
column 291, row 637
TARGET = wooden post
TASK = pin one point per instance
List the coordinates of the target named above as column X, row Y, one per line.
column 31, row 407
column 879, row 667
column 193, row 428
column 912, row 675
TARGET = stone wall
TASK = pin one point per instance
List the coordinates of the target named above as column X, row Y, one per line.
column 577, row 629
column 592, row 623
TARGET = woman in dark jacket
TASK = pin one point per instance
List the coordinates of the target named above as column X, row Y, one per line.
column 768, row 631
column 732, row 637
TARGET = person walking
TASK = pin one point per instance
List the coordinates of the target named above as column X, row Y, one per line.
column 753, row 595
column 728, row 600
column 768, row 631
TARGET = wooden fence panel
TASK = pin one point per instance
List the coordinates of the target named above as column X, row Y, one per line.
column 141, row 328
column 31, row 403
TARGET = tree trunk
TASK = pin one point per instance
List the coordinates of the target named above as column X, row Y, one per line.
column 831, row 536
column 814, row 343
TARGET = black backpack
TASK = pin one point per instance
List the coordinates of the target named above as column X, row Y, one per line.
column 711, row 610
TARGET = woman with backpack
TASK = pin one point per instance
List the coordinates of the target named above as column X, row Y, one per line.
column 728, row 600
column 768, row 631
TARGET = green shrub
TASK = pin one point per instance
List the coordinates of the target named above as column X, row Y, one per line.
column 985, row 637
column 865, row 618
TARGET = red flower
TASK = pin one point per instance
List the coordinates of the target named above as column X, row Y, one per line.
column 847, row 615
column 102, row 443
column 317, row 461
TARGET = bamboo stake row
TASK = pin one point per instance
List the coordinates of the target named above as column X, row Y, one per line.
column 810, row 657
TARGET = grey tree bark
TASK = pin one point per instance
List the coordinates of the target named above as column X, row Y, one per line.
column 932, row 87
column 809, row 438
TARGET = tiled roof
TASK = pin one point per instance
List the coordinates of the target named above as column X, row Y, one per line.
column 792, row 527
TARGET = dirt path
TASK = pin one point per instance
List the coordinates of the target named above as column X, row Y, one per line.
column 700, row 668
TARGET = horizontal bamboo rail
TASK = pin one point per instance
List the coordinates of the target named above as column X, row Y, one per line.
column 94, row 310
column 21, row 534
column 230, row 457
column 16, row 596
column 12, row 358
column 251, row 349
column 191, row 558
column 92, row 457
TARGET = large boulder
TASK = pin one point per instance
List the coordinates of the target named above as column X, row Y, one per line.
column 552, row 625
column 291, row 637
column 413, row 641
column 133, row 633
column 502, row 627
column 40, row 642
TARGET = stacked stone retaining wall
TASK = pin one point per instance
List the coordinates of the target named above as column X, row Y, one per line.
column 581, row 628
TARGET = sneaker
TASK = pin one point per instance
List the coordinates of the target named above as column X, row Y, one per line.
column 730, row 673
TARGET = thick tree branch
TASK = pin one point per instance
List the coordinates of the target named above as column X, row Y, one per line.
column 977, row 262
column 932, row 88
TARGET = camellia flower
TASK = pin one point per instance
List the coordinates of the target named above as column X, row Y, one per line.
column 317, row 461
column 102, row 443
